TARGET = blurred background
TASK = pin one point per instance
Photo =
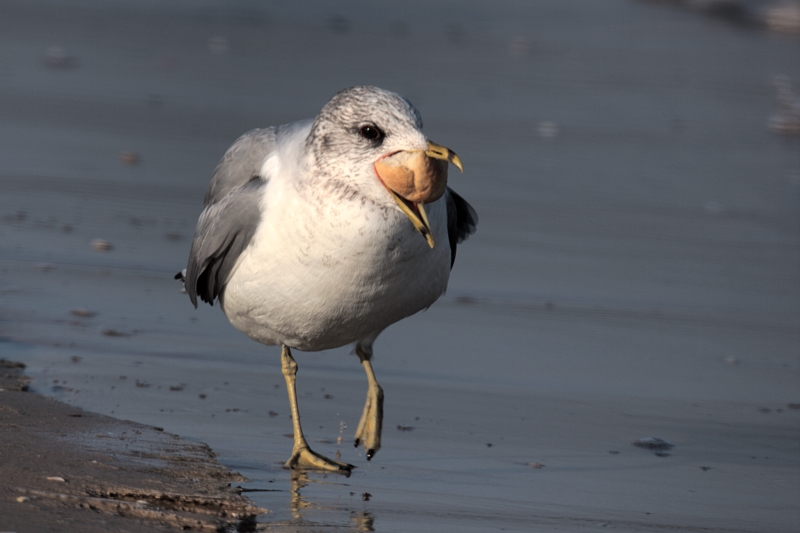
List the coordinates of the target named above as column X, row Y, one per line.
column 636, row 271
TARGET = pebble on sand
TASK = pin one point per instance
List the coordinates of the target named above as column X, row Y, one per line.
column 57, row 57
column 83, row 313
column 653, row 443
column 129, row 159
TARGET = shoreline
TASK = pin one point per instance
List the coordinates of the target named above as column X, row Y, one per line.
column 66, row 468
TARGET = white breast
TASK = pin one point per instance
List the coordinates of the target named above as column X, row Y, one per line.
column 323, row 274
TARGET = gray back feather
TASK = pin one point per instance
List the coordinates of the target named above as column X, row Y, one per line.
column 241, row 163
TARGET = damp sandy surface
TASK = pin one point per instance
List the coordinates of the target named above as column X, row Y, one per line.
column 635, row 272
column 66, row 469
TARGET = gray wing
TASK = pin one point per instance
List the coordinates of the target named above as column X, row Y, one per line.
column 241, row 163
column 224, row 230
column 462, row 221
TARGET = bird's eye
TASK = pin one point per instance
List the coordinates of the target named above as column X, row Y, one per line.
column 370, row 132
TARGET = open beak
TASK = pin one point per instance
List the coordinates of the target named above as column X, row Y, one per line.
column 417, row 177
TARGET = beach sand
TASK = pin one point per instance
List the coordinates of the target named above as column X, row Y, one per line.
column 634, row 274
column 66, row 469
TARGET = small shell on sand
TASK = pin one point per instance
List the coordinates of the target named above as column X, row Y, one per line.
column 102, row 246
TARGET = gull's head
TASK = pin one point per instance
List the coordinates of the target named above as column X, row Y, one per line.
column 373, row 138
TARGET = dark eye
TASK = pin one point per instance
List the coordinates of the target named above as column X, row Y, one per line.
column 370, row 132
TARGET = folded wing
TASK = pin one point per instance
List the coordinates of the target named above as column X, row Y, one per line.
column 231, row 215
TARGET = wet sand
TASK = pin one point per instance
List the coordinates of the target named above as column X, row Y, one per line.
column 66, row 469
column 635, row 272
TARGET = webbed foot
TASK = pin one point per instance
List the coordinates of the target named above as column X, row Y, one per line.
column 369, row 428
column 304, row 458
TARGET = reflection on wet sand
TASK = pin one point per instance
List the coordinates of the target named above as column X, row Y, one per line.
column 300, row 506
column 298, row 503
column 363, row 522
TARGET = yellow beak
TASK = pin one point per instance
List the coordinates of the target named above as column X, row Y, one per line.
column 440, row 152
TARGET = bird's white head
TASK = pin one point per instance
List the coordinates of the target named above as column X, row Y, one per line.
column 370, row 140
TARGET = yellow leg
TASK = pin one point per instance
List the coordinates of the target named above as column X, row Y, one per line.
column 303, row 457
column 369, row 428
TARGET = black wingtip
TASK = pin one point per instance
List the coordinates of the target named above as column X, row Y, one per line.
column 462, row 221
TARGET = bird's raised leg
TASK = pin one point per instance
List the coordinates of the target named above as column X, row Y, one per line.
column 369, row 428
column 303, row 457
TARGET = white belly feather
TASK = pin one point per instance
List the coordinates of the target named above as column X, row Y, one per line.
column 314, row 280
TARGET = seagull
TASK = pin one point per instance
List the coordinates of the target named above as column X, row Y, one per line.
column 322, row 233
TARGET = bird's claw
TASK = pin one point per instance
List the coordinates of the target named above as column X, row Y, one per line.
column 370, row 452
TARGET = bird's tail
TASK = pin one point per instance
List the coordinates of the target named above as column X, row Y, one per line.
column 181, row 276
